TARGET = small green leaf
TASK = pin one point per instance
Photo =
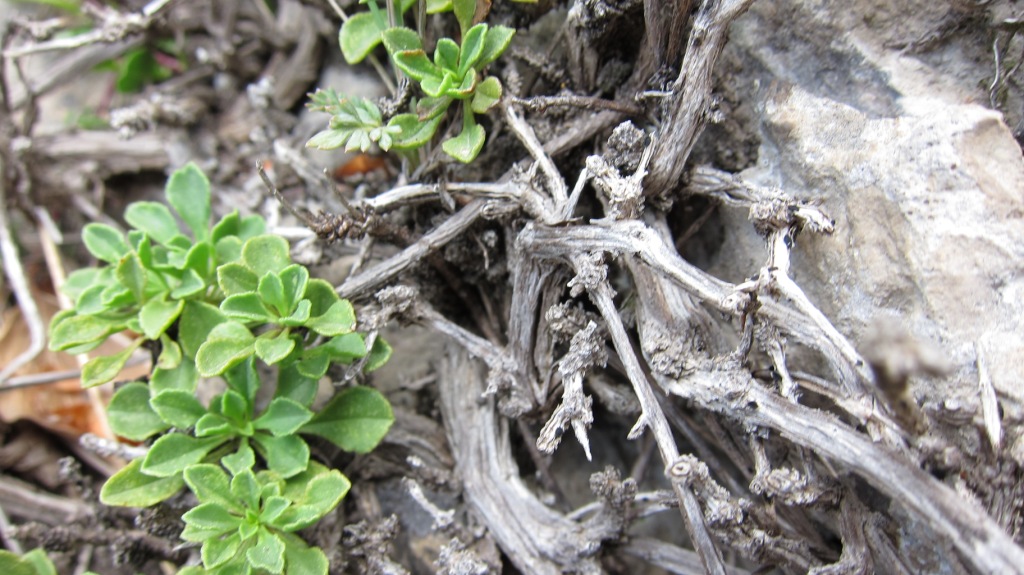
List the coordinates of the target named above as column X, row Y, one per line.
column 345, row 348
column 321, row 295
column 287, row 455
column 314, row 493
column 271, row 291
column 401, row 39
column 495, row 43
column 472, row 48
column 78, row 330
column 272, row 348
column 242, row 459
column 177, row 407
column 80, row 280
column 130, row 413
column 104, row 242
column 272, row 509
column 244, row 379
column 225, row 227
column 40, row 563
column 251, row 226
column 379, row 355
column 437, row 86
column 210, row 484
column 214, row 425
column 339, row 319
column 244, row 488
column 100, row 370
column 190, row 285
column 197, row 321
column 417, row 66
column 217, row 552
column 184, row 377
column 464, row 12
column 283, row 417
column 359, row 35
column 157, row 315
column 331, row 139
column 415, row 132
column 266, row 253
column 228, row 344
column 117, row 296
column 302, row 559
column 248, row 528
column 466, row 146
column 154, row 219
column 355, row 420
column 295, row 386
column 234, row 278
column 487, row 94
column 299, row 316
column 314, row 366
column 268, row 553
column 294, row 280
column 465, row 90
column 170, row 353
column 235, row 407
column 438, row 6
column 90, row 301
column 188, row 191
column 132, row 275
column 247, row 307
column 11, row 564
column 130, row 487
column 430, row 108
column 446, row 54
column 228, row 249
column 172, row 453
column 200, row 260
column 207, row 521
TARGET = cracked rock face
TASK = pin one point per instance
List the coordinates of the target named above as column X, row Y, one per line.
column 925, row 183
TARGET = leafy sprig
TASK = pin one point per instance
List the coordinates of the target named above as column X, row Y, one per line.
column 247, row 521
column 211, row 302
column 455, row 74
column 152, row 279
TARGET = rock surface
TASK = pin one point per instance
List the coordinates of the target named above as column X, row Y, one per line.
column 926, row 184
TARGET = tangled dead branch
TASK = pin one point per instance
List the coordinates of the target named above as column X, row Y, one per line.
column 552, row 269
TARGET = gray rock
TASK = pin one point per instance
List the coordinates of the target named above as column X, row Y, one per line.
column 928, row 210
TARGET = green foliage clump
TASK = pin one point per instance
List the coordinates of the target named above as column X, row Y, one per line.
column 34, row 562
column 210, row 303
column 455, row 74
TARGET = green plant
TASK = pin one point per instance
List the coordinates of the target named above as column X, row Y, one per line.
column 34, row 562
column 212, row 304
column 456, row 74
column 361, row 33
column 356, row 123
column 155, row 277
column 229, row 430
column 248, row 520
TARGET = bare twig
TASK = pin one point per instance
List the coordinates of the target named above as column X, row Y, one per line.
column 989, row 404
column 10, row 541
column 591, row 276
column 387, row 270
column 115, row 26
column 692, row 92
column 542, row 103
column 19, row 284
column 523, row 131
